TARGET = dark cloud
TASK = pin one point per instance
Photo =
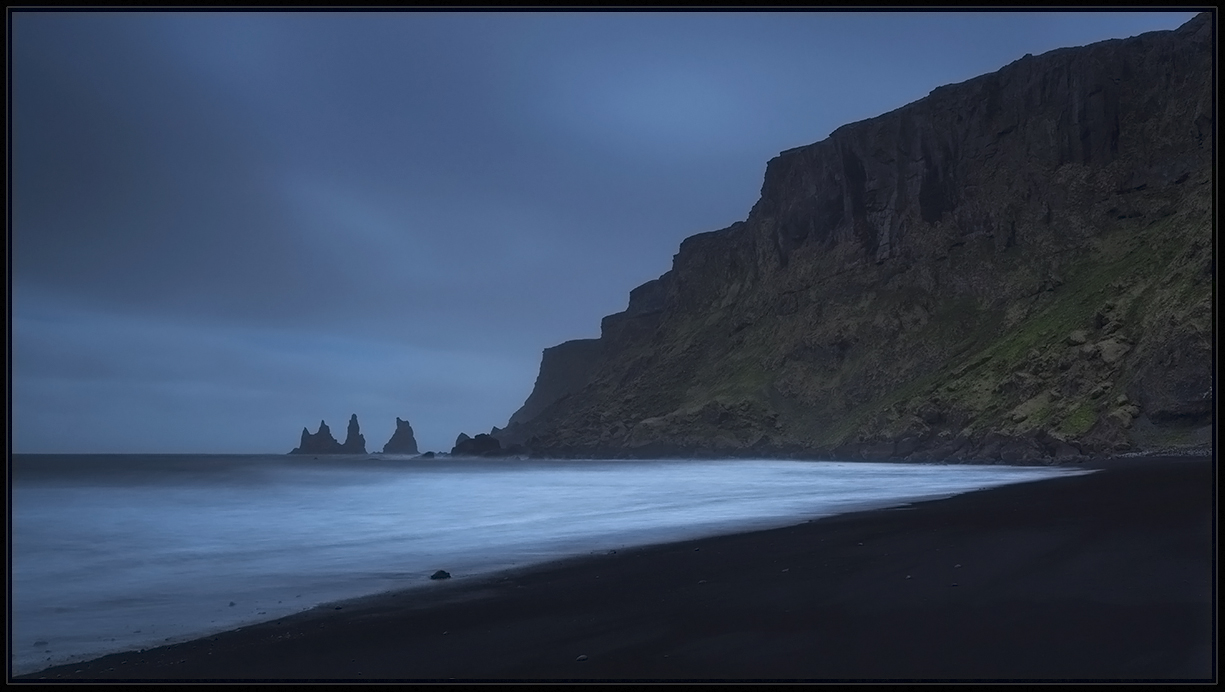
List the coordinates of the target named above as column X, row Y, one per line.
column 228, row 225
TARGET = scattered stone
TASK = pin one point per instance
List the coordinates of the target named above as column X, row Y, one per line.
column 1112, row 350
column 232, row 604
column 1078, row 337
column 1123, row 416
column 441, row 574
column 40, row 642
column 581, row 657
column 931, row 414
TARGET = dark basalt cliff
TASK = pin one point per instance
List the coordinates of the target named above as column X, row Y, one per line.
column 402, row 440
column 564, row 370
column 1017, row 266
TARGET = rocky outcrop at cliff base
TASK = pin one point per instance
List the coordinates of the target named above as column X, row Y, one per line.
column 402, row 440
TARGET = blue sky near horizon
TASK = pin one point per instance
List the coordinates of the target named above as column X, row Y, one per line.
column 226, row 226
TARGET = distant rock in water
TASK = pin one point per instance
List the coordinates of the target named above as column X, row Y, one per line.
column 321, row 442
column 402, row 440
column 427, row 455
column 355, row 442
column 480, row 446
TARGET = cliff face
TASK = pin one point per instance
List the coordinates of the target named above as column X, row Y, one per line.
column 564, row 369
column 1013, row 267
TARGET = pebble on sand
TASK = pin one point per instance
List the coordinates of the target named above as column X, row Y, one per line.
column 581, row 657
column 441, row 574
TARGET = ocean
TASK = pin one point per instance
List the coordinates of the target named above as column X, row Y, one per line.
column 120, row 552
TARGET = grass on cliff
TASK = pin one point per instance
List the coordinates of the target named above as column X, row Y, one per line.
column 990, row 352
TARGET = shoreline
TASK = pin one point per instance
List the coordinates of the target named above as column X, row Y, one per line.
column 1098, row 576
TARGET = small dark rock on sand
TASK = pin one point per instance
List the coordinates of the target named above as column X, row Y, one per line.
column 441, row 574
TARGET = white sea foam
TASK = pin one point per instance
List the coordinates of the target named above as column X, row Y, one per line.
column 113, row 553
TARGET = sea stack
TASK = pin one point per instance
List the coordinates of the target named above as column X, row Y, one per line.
column 402, row 440
column 321, row 442
column 355, row 442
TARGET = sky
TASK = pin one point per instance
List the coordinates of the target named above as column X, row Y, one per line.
column 225, row 227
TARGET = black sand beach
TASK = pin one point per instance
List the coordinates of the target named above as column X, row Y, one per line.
column 1107, row 576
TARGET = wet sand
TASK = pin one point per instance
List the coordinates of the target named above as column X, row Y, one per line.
column 1107, row 576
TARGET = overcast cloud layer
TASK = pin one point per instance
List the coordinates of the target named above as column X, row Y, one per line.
column 227, row 226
